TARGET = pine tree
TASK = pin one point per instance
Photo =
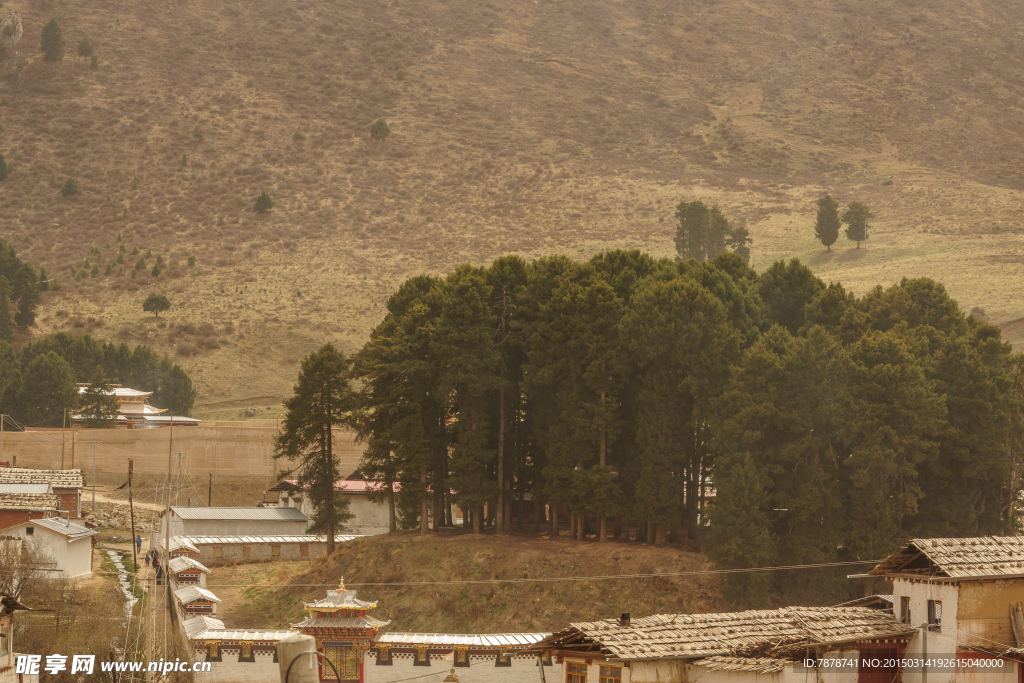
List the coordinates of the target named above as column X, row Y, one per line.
column 155, row 303
column 85, row 48
column 51, row 43
column 69, row 188
column 786, row 289
column 322, row 400
column 25, row 289
column 47, row 389
column 98, row 405
column 826, row 226
column 379, row 130
column 264, row 202
column 6, row 330
column 857, row 216
column 44, row 282
column 703, row 233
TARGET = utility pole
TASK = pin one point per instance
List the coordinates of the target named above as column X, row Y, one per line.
column 94, row 478
column 2, row 437
column 131, row 508
column 63, row 432
column 167, row 537
column 209, row 492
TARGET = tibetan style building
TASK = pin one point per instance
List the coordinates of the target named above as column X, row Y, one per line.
column 343, row 632
column 135, row 411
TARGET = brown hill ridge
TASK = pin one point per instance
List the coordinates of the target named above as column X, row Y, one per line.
column 526, row 127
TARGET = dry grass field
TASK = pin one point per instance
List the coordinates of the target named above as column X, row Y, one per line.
column 532, row 127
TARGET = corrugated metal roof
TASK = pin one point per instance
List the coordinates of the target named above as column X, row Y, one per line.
column 202, row 624
column 258, row 514
column 222, row 540
column 193, row 593
column 67, row 479
column 24, row 488
column 179, row 543
column 320, row 621
column 255, row 636
column 511, row 640
column 761, row 665
column 61, row 526
column 28, row 501
column 984, row 556
column 180, row 564
column 695, row 636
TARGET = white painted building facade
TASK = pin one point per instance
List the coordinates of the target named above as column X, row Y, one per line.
column 66, row 544
column 234, row 521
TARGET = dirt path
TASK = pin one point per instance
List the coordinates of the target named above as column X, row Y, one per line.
column 101, row 498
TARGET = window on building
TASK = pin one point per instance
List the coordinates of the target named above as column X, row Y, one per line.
column 575, row 672
column 611, row 674
column 422, row 657
column 275, row 551
column 461, row 656
column 30, row 530
column 904, row 609
column 218, row 551
column 4, row 637
column 384, row 656
column 935, row 612
column 245, row 551
column 503, row 659
column 304, row 550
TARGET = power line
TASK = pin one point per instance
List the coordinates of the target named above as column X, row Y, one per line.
column 554, row 579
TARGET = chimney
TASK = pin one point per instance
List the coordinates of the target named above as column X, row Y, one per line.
column 624, row 619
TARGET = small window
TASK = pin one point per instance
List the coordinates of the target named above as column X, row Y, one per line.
column 935, row 612
column 245, row 551
column 304, row 549
column 904, row 610
column 503, row 658
column 30, row 530
column 422, row 657
column 275, row 551
column 611, row 674
column 461, row 657
column 384, row 656
column 218, row 551
column 575, row 672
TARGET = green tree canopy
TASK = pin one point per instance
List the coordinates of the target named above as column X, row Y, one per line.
column 264, row 202
column 155, row 303
column 98, row 405
column 703, row 233
column 856, row 217
column 322, row 399
column 380, row 130
column 826, row 226
column 48, row 388
column 51, row 43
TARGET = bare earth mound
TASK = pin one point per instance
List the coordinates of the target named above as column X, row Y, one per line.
column 482, row 607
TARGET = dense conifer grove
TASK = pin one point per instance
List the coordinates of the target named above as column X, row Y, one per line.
column 627, row 389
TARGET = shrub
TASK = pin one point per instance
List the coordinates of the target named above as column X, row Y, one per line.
column 70, row 187
column 379, row 130
column 187, row 349
column 156, row 270
column 51, row 44
column 94, row 63
column 400, row 76
column 263, row 202
column 96, row 270
column 191, row 261
column 3, row 168
column 85, row 48
column 211, row 342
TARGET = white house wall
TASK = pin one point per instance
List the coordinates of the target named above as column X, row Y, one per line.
column 74, row 558
column 481, row 669
column 370, row 519
column 230, row 670
column 235, row 527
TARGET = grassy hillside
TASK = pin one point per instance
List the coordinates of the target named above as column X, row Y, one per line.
column 527, row 128
column 477, row 608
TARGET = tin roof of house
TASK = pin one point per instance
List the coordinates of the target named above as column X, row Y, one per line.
column 180, row 543
column 8, row 604
column 63, row 527
column 255, row 636
column 24, row 488
column 59, row 479
column 956, row 558
column 339, row 599
column 201, row 624
column 192, row 593
column 696, row 636
column 223, row 540
column 180, row 564
column 254, row 514
column 321, row 621
column 511, row 640
column 29, row 501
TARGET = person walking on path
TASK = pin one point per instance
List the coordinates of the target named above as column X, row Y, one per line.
column 138, row 544
column 147, row 560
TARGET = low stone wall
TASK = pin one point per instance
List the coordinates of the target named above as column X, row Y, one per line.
column 231, row 550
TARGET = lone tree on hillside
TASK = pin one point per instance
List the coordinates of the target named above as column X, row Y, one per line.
column 379, row 130
column 70, row 188
column 264, row 202
column 85, row 48
column 826, row 227
column 323, row 399
column 155, row 303
column 98, row 404
column 857, row 216
column 702, row 233
column 52, row 42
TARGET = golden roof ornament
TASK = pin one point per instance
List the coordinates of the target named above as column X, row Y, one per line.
column 341, row 583
column 452, row 678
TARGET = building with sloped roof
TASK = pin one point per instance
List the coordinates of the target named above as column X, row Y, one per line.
column 65, row 484
column 186, row 571
column 65, row 544
column 234, row 521
column 193, row 600
column 134, row 411
column 16, row 508
column 218, row 550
